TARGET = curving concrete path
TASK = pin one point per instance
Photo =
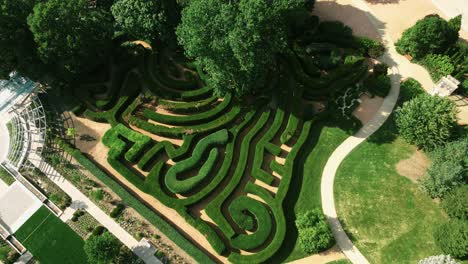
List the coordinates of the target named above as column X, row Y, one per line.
column 396, row 64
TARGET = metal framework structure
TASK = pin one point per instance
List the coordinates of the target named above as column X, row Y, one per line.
column 28, row 125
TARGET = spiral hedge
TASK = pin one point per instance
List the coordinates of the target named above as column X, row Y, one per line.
column 224, row 150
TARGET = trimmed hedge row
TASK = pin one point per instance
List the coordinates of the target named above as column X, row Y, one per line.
column 291, row 127
column 213, row 209
column 178, row 132
column 211, row 141
column 136, row 204
column 188, row 107
column 117, row 146
column 237, row 210
column 190, row 119
column 165, row 80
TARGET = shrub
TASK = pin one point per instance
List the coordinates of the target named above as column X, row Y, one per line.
column 315, row 234
column 430, row 35
column 97, row 195
column 438, row 65
column 380, row 69
column 448, row 168
column 409, row 89
column 98, row 230
column 455, row 203
column 452, row 236
column 441, row 259
column 117, row 210
column 102, row 249
column 373, row 48
column 379, row 85
column 426, row 121
column 464, row 86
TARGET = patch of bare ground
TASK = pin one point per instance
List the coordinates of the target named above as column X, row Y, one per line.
column 332, row 254
column 367, row 108
column 344, row 11
column 88, row 133
column 413, row 167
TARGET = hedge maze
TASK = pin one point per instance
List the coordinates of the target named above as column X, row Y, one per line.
column 223, row 166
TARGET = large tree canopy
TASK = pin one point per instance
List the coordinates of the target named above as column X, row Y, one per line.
column 143, row 19
column 71, row 35
column 236, row 41
column 432, row 34
column 17, row 48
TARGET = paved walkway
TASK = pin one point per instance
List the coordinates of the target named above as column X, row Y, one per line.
column 398, row 64
column 141, row 249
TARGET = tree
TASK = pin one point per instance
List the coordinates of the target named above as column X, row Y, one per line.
column 451, row 237
column 102, row 249
column 71, row 35
column 142, row 19
column 236, row 42
column 448, row 168
column 430, row 35
column 17, row 47
column 426, row 121
column 455, row 203
column 314, row 232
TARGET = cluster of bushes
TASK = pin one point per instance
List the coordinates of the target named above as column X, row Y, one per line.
column 77, row 214
column 117, row 211
column 103, row 247
column 433, row 42
column 315, row 234
column 378, row 83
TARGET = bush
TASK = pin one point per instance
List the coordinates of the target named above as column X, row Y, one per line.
column 380, row 69
column 452, row 238
column 315, row 234
column 379, row 85
column 99, row 230
column 441, row 259
column 409, row 89
column 455, row 203
column 97, row 195
column 373, row 48
column 102, row 249
column 448, row 168
column 464, row 86
column 438, row 65
column 426, row 121
column 430, row 35
column 117, row 210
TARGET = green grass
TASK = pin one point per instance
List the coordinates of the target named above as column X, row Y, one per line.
column 386, row 215
column 304, row 192
column 6, row 177
column 50, row 240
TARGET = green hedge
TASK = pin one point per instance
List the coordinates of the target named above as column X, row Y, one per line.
column 192, row 119
column 188, row 107
column 136, row 204
column 117, row 146
column 291, row 127
column 178, row 132
column 211, row 141
column 237, row 210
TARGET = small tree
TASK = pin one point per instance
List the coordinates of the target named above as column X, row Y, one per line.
column 432, row 34
column 426, row 121
column 451, row 237
column 448, row 168
column 102, row 249
column 315, row 234
column 455, row 203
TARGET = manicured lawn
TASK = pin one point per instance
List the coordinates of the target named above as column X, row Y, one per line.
column 6, row 177
column 389, row 219
column 304, row 192
column 50, row 240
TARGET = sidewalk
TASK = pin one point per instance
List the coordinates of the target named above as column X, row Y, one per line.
column 141, row 249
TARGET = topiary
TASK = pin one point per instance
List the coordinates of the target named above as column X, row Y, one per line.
column 315, row 234
column 455, row 203
column 452, row 236
column 426, row 121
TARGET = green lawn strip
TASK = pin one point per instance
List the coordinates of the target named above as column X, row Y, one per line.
column 50, row 240
column 304, row 190
column 389, row 219
column 140, row 207
column 6, row 177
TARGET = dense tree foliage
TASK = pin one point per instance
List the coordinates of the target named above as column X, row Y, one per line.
column 451, row 237
column 315, row 234
column 438, row 65
column 70, row 35
column 17, row 48
column 455, row 203
column 102, row 249
column 236, row 42
column 448, row 169
column 142, row 19
column 426, row 121
column 430, row 35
